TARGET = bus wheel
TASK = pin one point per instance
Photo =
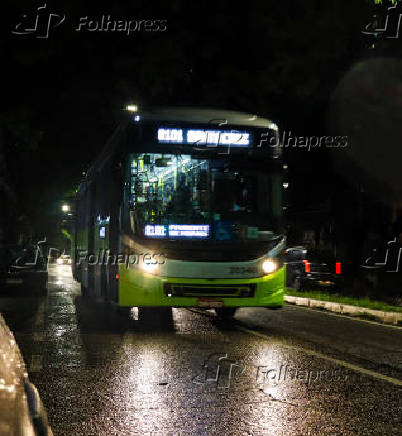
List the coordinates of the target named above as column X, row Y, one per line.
column 153, row 313
column 226, row 312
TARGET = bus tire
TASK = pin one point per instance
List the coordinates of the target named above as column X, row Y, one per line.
column 226, row 312
column 155, row 315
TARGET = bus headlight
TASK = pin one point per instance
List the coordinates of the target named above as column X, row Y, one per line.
column 269, row 266
column 150, row 268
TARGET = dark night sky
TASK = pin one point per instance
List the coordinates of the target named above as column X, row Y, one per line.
column 269, row 57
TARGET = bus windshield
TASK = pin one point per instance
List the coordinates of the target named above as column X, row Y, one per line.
column 219, row 197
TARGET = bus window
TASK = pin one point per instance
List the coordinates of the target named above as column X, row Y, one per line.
column 186, row 189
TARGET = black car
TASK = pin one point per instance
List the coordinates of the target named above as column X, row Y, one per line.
column 23, row 268
column 313, row 270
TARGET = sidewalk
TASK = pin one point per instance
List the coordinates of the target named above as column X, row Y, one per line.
column 356, row 311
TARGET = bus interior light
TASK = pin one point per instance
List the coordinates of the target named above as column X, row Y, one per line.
column 132, row 108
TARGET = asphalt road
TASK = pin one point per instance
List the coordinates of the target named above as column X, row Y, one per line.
column 286, row 372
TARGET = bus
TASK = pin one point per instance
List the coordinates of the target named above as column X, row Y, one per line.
column 183, row 208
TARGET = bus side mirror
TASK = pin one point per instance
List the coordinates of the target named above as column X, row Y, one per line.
column 295, row 254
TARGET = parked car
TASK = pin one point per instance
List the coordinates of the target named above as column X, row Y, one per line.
column 23, row 268
column 294, row 258
column 21, row 410
column 310, row 269
column 64, row 259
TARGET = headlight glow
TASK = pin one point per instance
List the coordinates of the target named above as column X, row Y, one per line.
column 59, row 261
column 269, row 266
column 150, row 268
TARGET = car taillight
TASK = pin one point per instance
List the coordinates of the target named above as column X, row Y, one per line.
column 307, row 266
column 338, row 268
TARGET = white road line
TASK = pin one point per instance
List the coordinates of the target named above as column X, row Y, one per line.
column 348, row 365
column 36, row 363
column 340, row 315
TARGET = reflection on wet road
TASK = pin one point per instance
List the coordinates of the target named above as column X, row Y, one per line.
column 288, row 372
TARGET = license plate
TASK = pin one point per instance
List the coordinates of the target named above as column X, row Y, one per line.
column 205, row 302
column 14, row 281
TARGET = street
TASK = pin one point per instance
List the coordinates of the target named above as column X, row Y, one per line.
column 293, row 371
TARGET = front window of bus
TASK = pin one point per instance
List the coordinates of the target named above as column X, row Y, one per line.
column 228, row 197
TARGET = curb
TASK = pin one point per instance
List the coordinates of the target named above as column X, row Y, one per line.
column 344, row 309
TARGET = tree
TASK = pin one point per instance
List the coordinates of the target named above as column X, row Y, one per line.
column 17, row 143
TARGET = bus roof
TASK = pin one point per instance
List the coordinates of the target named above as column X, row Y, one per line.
column 194, row 115
column 203, row 116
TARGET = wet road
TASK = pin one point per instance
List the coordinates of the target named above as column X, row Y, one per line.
column 288, row 372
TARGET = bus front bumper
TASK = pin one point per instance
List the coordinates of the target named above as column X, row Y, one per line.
column 139, row 289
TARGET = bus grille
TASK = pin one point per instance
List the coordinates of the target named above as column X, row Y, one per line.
column 190, row 290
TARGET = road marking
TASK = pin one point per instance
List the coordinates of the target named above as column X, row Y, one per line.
column 36, row 363
column 340, row 315
column 348, row 365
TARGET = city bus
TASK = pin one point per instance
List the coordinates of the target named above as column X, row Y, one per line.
column 183, row 208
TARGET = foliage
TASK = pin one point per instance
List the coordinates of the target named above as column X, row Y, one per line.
column 66, row 234
column 337, row 298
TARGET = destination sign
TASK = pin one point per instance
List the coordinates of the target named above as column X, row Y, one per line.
column 177, row 231
column 209, row 138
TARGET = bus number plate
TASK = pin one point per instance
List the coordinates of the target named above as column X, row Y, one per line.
column 206, row 302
